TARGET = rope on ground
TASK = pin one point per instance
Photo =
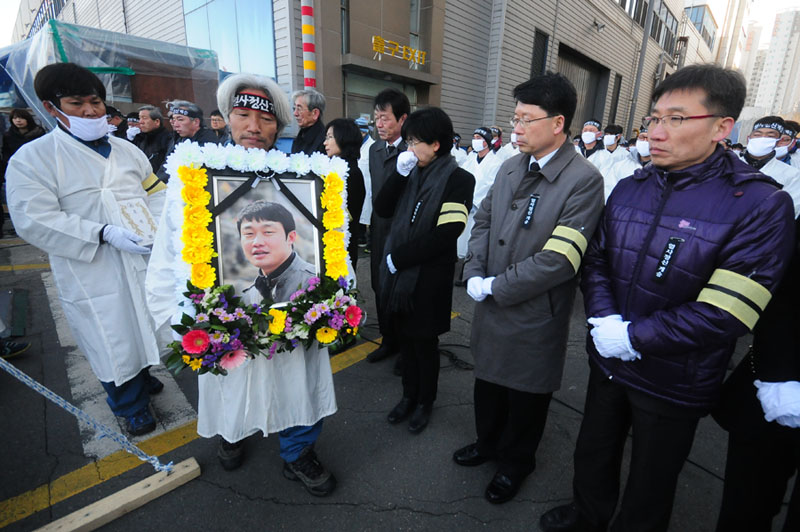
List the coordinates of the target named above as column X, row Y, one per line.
column 86, row 418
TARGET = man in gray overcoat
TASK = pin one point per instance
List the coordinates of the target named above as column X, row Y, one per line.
column 524, row 255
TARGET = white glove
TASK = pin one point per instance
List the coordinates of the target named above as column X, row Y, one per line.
column 475, row 288
column 111, row 127
column 390, row 264
column 486, row 286
column 610, row 317
column 611, row 339
column 780, row 401
column 123, row 239
column 132, row 132
column 406, row 162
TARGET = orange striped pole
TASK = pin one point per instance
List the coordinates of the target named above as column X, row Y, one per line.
column 309, row 48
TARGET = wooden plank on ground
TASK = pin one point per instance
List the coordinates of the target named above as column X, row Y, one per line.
column 106, row 510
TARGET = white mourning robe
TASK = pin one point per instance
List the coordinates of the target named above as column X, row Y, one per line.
column 60, row 195
column 484, row 173
column 293, row 388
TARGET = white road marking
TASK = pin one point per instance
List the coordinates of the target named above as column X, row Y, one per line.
column 171, row 407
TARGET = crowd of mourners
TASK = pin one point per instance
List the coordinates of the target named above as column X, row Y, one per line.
column 680, row 241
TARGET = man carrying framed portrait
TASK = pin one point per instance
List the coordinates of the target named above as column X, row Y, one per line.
column 290, row 393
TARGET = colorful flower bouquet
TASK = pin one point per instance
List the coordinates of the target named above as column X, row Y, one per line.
column 218, row 330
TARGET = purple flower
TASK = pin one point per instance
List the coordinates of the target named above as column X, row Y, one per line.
column 225, row 318
column 223, row 301
column 235, row 345
column 216, row 336
column 294, row 343
column 323, row 307
column 202, row 317
column 257, row 308
column 288, row 325
column 342, row 282
column 313, row 283
column 336, row 321
column 312, row 315
column 219, row 311
column 209, row 360
column 239, row 313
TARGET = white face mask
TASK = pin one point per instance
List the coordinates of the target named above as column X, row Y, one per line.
column 781, row 151
column 609, row 140
column 643, row 147
column 588, row 137
column 514, row 138
column 87, row 129
column 761, row 146
column 477, row 144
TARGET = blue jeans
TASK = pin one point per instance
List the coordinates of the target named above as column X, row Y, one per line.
column 294, row 439
column 129, row 397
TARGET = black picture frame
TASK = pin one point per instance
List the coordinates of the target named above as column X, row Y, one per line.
column 231, row 190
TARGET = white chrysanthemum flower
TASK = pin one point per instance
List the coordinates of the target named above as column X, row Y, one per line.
column 237, row 158
column 299, row 164
column 320, row 164
column 175, row 214
column 256, row 160
column 277, row 161
column 177, row 243
column 191, row 153
column 339, row 166
column 215, row 156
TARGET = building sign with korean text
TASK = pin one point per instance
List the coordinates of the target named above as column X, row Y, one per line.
column 383, row 46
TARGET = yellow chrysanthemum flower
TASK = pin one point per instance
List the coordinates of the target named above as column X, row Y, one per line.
column 326, row 335
column 186, row 359
column 196, row 216
column 203, row 276
column 278, row 322
column 333, row 238
column 331, row 200
column 336, row 269
column 333, row 218
column 334, row 183
column 197, row 254
column 193, row 176
column 196, row 236
column 195, row 363
column 195, row 195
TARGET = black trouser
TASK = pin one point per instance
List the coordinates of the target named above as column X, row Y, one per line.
column 660, row 447
column 420, row 368
column 510, row 424
column 757, row 471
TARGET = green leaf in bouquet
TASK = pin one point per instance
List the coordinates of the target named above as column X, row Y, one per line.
column 187, row 320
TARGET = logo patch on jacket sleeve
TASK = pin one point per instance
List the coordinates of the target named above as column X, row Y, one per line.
column 667, row 257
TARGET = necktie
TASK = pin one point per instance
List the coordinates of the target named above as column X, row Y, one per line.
column 390, row 149
column 533, row 171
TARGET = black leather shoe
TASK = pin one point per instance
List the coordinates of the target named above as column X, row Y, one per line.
column 384, row 351
column 401, row 411
column 502, row 488
column 469, row 456
column 420, row 418
column 565, row 518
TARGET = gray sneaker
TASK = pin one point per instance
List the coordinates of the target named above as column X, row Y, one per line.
column 307, row 468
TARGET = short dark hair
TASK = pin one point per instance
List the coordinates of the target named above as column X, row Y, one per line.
column 725, row 89
column 552, row 92
column 24, row 114
column 266, row 211
column 113, row 111
column 612, row 129
column 395, row 99
column 58, row 80
column 347, row 136
column 429, row 125
column 737, row 145
column 215, row 112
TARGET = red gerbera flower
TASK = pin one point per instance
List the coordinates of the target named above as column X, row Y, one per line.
column 353, row 315
column 196, row 342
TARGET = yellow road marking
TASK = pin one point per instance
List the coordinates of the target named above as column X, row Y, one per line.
column 19, row 267
column 356, row 354
column 90, row 475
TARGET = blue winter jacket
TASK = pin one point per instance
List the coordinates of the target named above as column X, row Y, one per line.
column 690, row 259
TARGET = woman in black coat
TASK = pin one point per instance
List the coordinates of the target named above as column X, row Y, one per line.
column 428, row 199
column 23, row 129
column 343, row 139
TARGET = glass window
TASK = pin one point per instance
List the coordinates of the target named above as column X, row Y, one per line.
column 256, row 37
column 222, row 28
column 191, row 5
column 197, row 29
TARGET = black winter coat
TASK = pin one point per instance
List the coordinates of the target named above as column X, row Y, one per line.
column 13, row 139
column 434, row 252
column 155, row 144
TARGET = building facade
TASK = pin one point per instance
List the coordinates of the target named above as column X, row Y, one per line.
column 778, row 90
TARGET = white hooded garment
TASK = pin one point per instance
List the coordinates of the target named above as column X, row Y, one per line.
column 484, row 173
column 60, row 195
column 292, row 389
column 787, row 176
column 613, row 166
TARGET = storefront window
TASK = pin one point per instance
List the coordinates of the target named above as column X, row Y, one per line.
column 213, row 24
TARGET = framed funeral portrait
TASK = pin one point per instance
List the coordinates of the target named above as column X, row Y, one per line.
column 259, row 222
